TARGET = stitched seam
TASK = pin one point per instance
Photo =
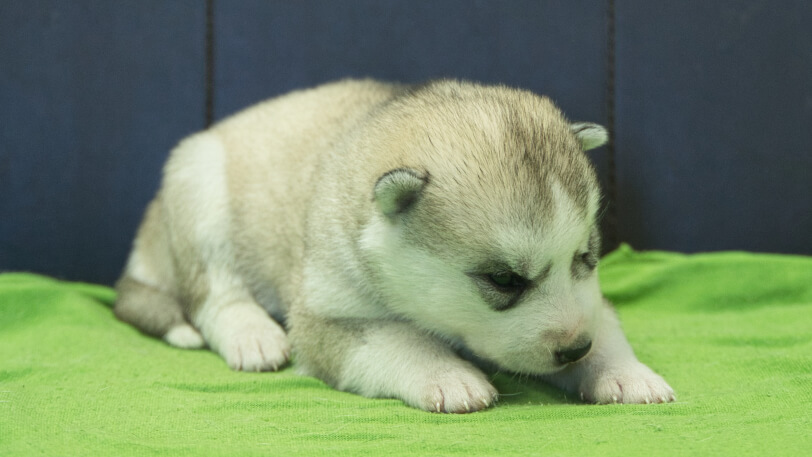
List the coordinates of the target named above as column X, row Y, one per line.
column 612, row 223
column 209, row 98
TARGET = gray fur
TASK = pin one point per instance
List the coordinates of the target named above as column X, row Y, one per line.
column 366, row 215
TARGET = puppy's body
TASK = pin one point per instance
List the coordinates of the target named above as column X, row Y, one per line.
column 389, row 225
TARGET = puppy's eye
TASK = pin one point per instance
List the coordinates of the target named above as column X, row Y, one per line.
column 589, row 259
column 502, row 289
column 506, row 281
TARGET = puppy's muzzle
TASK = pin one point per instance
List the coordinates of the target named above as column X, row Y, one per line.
column 570, row 355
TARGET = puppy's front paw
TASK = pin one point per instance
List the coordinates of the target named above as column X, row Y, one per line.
column 632, row 384
column 255, row 346
column 457, row 390
column 249, row 340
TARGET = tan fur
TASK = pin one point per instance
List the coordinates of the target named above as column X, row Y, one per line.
column 369, row 216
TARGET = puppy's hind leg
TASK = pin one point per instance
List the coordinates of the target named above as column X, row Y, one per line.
column 155, row 313
column 145, row 290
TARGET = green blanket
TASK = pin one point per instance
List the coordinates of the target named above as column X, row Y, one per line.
column 731, row 332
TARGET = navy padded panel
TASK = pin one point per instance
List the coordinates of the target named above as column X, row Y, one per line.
column 267, row 48
column 714, row 125
column 92, row 96
column 553, row 48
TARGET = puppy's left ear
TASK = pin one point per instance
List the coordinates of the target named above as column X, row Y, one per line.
column 590, row 135
column 397, row 190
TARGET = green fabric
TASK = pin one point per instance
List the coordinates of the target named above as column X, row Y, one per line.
column 731, row 332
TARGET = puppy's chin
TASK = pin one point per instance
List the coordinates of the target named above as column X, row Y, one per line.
column 535, row 369
column 527, row 364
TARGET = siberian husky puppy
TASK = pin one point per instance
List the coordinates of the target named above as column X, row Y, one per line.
column 387, row 227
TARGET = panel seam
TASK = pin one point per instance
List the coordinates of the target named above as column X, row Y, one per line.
column 209, row 76
column 612, row 223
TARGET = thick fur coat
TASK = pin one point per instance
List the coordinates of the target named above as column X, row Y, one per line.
column 386, row 227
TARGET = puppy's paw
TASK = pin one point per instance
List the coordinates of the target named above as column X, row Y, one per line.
column 256, row 346
column 184, row 336
column 457, row 390
column 247, row 338
column 633, row 384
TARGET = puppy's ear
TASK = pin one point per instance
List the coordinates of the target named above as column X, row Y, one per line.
column 590, row 135
column 397, row 190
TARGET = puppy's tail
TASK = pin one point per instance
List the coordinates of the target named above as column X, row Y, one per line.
column 155, row 313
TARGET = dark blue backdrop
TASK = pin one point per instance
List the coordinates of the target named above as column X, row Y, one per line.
column 710, row 104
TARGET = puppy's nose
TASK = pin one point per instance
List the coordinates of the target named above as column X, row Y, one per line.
column 566, row 356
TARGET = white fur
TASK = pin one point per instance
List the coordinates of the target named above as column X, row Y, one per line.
column 232, row 323
column 244, row 335
column 567, row 232
column 611, row 373
column 237, row 328
column 185, row 337
column 590, row 135
column 139, row 270
column 331, row 297
column 278, row 204
column 197, row 180
column 420, row 369
column 522, row 339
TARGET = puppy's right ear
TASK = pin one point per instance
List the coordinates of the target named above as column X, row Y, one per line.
column 589, row 135
column 397, row 190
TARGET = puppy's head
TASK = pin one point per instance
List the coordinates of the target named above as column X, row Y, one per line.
column 487, row 235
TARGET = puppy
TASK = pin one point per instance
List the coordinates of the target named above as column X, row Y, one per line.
column 388, row 226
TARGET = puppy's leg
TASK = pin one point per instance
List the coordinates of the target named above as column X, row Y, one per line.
column 146, row 297
column 155, row 313
column 238, row 328
column 386, row 359
column 611, row 373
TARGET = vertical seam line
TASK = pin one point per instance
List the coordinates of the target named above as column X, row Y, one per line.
column 209, row 98
column 612, row 213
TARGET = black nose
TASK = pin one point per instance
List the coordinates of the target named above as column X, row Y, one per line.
column 566, row 356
